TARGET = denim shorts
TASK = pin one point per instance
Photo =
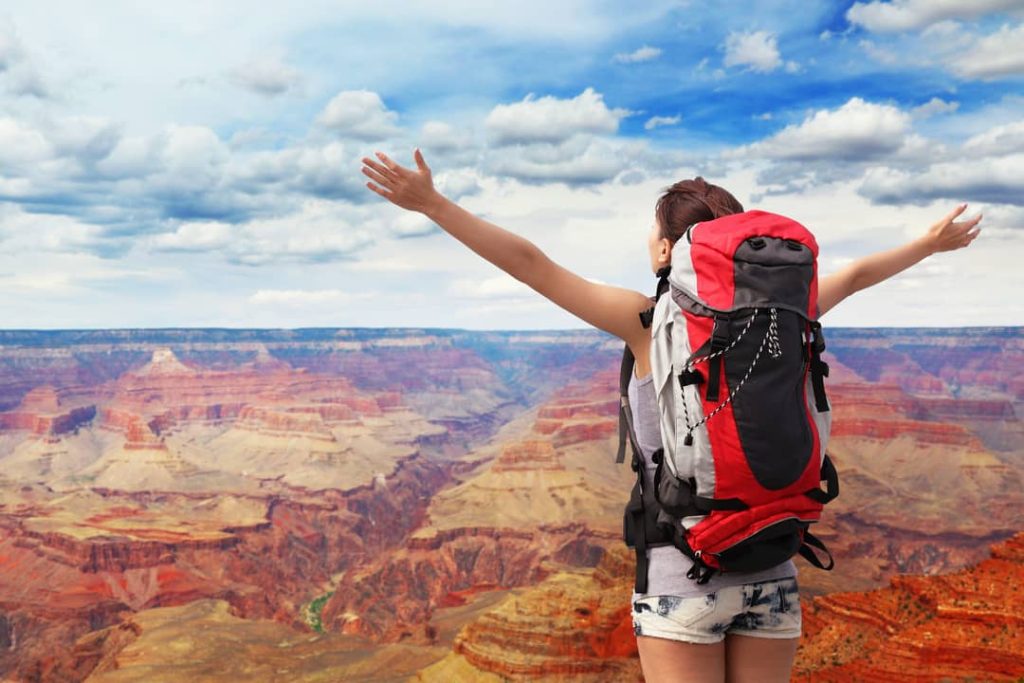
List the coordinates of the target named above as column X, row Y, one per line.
column 767, row 609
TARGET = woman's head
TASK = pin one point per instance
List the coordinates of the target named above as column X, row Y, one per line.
column 680, row 206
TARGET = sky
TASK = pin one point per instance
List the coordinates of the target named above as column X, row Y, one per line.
column 197, row 164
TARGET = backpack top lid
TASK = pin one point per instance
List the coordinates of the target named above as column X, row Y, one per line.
column 749, row 259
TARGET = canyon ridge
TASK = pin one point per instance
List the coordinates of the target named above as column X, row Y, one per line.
column 437, row 505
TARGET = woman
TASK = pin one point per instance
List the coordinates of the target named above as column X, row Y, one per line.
column 737, row 627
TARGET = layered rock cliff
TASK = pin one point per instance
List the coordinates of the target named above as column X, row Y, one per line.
column 922, row 629
column 531, row 500
column 430, row 497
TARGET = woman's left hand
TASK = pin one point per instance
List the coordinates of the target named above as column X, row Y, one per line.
column 949, row 234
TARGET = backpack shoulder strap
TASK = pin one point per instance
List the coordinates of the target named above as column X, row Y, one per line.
column 626, row 370
column 625, row 411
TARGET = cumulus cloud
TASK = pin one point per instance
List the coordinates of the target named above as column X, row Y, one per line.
column 407, row 224
column 908, row 15
column 642, row 54
column 317, row 232
column 993, row 56
column 999, row 180
column 999, row 141
column 658, row 121
column 758, row 51
column 25, row 232
column 17, row 71
column 934, row 107
column 552, row 119
column 265, row 76
column 190, row 237
column 580, row 160
column 21, row 144
column 457, row 183
column 359, row 114
column 856, row 131
column 442, row 137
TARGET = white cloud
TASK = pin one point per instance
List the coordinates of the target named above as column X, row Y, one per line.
column 89, row 138
column 933, row 107
column 457, row 183
column 298, row 297
column 200, row 236
column 579, row 160
column 907, row 15
column 17, row 71
column 642, row 54
column 500, row 286
column 266, row 76
column 856, row 131
column 993, row 56
column 551, row 119
column 360, row 114
column 757, row 51
column 658, row 121
column 999, row 141
column 442, row 137
column 998, row 180
column 20, row 144
column 133, row 156
column 318, row 231
column 408, row 224
column 192, row 156
column 22, row 232
column 309, row 169
column 881, row 54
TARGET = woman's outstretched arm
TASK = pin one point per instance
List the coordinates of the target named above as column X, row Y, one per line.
column 946, row 235
column 612, row 309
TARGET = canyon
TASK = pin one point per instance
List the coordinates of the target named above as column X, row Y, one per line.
column 440, row 504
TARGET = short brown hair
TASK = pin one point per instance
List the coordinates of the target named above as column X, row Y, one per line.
column 692, row 201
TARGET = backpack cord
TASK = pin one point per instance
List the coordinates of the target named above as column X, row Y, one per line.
column 771, row 338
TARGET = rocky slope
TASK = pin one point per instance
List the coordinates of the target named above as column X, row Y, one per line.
column 430, row 500
column 215, row 470
column 543, row 493
column 961, row 626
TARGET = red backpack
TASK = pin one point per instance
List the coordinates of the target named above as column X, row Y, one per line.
column 737, row 370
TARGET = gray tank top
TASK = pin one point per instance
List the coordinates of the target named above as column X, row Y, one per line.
column 668, row 566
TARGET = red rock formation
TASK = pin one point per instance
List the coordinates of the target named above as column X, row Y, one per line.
column 847, row 424
column 54, row 588
column 398, row 593
column 581, row 412
column 570, row 625
column 43, row 414
column 960, row 626
column 575, row 409
column 967, row 409
column 530, row 455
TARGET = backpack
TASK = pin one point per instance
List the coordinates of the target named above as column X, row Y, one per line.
column 737, row 371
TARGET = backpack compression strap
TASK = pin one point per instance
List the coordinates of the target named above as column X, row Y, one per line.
column 819, row 368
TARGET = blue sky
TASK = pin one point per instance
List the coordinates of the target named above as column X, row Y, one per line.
column 197, row 164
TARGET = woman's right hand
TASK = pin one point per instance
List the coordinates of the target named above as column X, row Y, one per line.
column 949, row 234
column 404, row 187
